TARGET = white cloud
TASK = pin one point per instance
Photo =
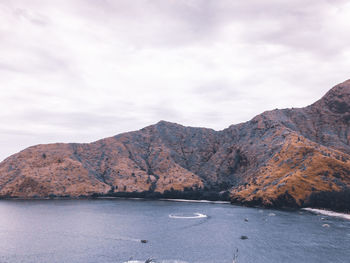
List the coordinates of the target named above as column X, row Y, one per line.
column 80, row 70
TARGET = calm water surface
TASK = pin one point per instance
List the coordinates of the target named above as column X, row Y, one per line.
column 111, row 230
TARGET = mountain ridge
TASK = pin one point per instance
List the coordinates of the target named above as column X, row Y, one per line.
column 265, row 161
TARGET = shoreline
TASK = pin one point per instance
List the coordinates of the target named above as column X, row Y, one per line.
column 327, row 212
column 319, row 211
column 116, row 198
column 193, row 195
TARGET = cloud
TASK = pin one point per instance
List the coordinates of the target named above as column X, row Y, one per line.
column 80, row 70
column 32, row 17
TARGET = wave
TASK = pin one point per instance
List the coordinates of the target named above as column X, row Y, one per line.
column 328, row 213
column 195, row 216
column 196, row 201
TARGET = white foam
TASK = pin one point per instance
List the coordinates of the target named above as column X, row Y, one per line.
column 196, row 201
column 173, row 261
column 161, row 261
column 328, row 213
column 196, row 215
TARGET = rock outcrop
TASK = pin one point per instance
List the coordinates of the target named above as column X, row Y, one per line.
column 311, row 156
column 279, row 158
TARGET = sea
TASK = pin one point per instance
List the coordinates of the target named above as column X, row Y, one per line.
column 168, row 231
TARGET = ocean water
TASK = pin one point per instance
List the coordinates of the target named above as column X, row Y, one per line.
column 112, row 230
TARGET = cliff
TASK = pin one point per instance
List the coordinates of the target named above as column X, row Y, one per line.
column 288, row 157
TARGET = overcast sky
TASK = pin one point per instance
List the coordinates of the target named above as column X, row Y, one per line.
column 81, row 70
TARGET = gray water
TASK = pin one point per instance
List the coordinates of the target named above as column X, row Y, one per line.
column 111, row 230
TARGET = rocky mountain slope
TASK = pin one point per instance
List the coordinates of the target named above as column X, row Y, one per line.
column 286, row 157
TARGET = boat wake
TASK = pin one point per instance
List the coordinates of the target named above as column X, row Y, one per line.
column 193, row 216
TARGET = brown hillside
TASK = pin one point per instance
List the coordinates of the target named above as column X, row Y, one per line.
column 282, row 157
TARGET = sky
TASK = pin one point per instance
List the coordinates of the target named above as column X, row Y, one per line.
column 82, row 70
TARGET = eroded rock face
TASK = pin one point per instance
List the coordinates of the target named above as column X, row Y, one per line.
column 279, row 158
column 311, row 153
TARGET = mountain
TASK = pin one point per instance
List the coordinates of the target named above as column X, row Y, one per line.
column 289, row 157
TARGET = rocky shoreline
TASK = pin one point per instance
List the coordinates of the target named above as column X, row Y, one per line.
column 283, row 203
